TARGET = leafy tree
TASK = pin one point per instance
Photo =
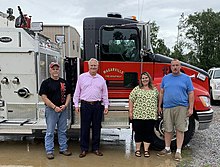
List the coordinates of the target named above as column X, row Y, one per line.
column 158, row 44
column 178, row 52
column 204, row 33
column 180, row 46
column 161, row 48
column 154, row 33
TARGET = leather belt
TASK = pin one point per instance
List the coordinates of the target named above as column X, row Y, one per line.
column 91, row 102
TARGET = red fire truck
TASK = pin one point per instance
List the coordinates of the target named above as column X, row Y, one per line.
column 122, row 47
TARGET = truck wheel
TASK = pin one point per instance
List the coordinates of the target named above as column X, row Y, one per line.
column 158, row 141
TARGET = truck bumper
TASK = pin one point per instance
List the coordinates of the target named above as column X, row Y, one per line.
column 205, row 119
column 25, row 127
column 20, row 127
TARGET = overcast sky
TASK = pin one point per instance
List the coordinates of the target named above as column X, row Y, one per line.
column 165, row 13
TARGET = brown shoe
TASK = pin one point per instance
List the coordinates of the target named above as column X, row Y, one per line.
column 66, row 153
column 98, row 153
column 178, row 156
column 82, row 154
column 164, row 152
column 50, row 156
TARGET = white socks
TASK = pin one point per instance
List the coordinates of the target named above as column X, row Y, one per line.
column 167, row 148
column 178, row 150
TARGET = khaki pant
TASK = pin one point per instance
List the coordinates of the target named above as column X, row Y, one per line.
column 175, row 118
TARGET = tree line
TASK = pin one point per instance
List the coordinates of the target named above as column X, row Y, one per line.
column 198, row 39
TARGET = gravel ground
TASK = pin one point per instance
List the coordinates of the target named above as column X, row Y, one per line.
column 205, row 145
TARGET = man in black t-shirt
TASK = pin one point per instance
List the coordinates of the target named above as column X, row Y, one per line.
column 55, row 92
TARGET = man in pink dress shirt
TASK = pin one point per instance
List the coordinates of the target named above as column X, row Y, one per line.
column 91, row 91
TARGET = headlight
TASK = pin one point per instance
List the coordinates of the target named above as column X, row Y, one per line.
column 217, row 85
column 205, row 101
column 2, row 103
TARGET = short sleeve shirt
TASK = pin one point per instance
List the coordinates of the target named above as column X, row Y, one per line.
column 145, row 103
column 55, row 90
column 176, row 90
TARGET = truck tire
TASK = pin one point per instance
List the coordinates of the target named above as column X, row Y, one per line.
column 158, row 138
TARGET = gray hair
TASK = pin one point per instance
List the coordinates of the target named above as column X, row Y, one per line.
column 93, row 59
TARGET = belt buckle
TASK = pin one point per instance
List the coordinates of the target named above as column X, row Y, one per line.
column 92, row 102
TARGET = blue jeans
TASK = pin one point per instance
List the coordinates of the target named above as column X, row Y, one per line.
column 52, row 119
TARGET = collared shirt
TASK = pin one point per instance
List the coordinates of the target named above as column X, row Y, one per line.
column 91, row 88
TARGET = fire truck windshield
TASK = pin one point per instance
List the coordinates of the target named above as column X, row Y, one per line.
column 120, row 44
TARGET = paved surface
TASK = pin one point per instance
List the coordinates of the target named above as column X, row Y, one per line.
column 116, row 145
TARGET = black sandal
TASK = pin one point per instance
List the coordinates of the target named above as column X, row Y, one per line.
column 138, row 153
column 146, row 154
